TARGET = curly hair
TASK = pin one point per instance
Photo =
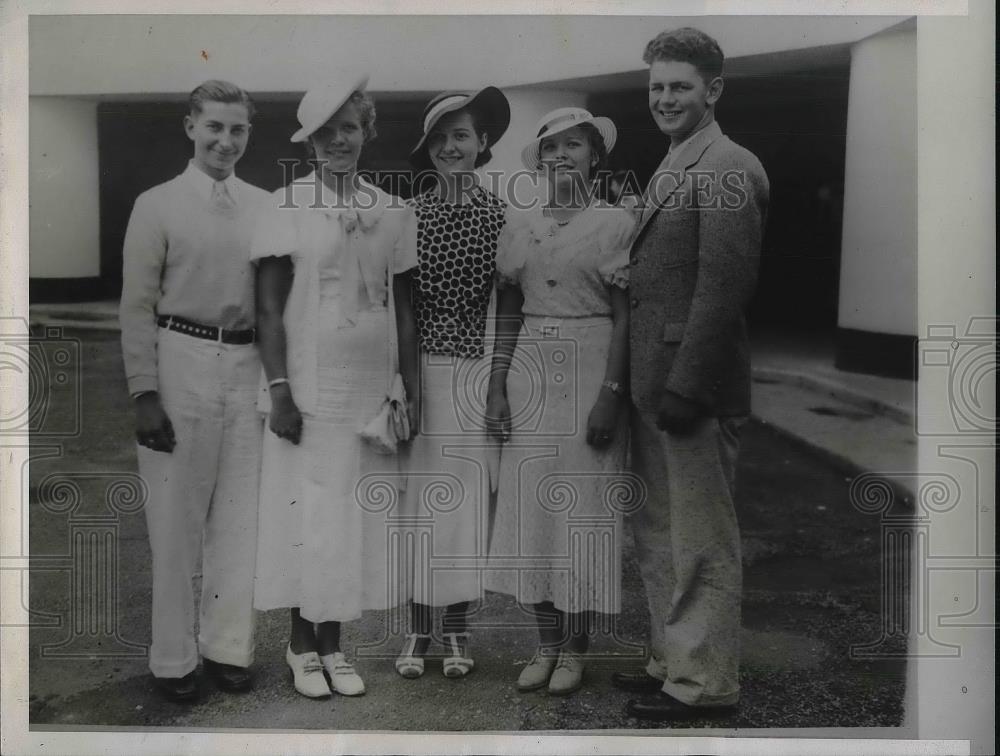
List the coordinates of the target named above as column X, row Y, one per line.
column 366, row 112
column 217, row 90
column 597, row 146
column 687, row 45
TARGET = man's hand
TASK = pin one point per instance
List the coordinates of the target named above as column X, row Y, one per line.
column 285, row 420
column 677, row 414
column 152, row 426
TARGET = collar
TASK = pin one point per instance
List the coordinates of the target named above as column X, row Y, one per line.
column 544, row 226
column 369, row 209
column 690, row 147
column 204, row 183
column 479, row 197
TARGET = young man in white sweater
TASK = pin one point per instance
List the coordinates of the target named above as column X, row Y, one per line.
column 187, row 321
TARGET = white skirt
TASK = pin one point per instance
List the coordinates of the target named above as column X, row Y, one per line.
column 558, row 529
column 329, row 526
column 448, row 482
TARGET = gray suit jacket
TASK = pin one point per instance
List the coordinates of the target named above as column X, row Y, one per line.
column 695, row 255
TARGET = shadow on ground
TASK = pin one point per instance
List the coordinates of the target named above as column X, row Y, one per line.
column 813, row 571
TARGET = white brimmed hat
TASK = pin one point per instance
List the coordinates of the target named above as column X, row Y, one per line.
column 561, row 119
column 321, row 102
column 489, row 102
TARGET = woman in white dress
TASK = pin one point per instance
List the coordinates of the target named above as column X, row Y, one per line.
column 557, row 398
column 458, row 225
column 327, row 343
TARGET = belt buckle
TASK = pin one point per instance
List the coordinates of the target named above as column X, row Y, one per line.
column 549, row 329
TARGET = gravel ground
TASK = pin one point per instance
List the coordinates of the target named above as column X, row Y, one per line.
column 812, row 591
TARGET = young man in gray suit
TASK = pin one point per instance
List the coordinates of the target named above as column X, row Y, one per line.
column 694, row 267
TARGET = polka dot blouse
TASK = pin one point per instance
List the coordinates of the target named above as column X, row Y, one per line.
column 456, row 247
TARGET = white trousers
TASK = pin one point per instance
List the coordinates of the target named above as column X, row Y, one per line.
column 202, row 503
column 688, row 548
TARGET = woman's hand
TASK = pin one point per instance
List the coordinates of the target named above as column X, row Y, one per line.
column 286, row 420
column 498, row 423
column 603, row 419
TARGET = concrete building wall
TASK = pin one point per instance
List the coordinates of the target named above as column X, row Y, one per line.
column 877, row 314
column 287, row 53
column 878, row 281
column 64, row 218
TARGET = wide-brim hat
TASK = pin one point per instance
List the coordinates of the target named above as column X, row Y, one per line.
column 321, row 102
column 562, row 119
column 489, row 102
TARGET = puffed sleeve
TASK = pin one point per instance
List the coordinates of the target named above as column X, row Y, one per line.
column 512, row 249
column 405, row 253
column 275, row 233
column 614, row 236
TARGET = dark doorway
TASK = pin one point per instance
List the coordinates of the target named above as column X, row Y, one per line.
column 142, row 144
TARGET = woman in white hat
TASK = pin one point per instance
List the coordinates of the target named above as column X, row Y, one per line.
column 459, row 222
column 557, row 399
column 334, row 257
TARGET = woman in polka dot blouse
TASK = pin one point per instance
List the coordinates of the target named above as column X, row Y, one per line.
column 557, row 400
column 458, row 224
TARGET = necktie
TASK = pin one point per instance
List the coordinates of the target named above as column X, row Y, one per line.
column 221, row 198
column 356, row 254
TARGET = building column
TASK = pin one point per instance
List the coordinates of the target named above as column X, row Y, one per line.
column 64, row 255
column 877, row 314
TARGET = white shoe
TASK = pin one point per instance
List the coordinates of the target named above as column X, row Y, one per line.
column 537, row 672
column 460, row 662
column 308, row 673
column 568, row 675
column 408, row 664
column 343, row 678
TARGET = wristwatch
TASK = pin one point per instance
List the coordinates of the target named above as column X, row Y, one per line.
column 614, row 387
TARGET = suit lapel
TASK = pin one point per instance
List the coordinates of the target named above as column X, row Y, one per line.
column 677, row 166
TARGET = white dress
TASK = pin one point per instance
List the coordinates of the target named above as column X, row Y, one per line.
column 329, row 506
column 557, row 535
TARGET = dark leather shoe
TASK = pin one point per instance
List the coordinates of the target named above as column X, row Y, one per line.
column 664, row 708
column 178, row 689
column 638, row 682
column 228, row 677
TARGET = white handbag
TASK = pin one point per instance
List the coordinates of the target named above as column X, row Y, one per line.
column 392, row 423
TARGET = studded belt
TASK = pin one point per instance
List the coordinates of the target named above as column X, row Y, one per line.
column 199, row 331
